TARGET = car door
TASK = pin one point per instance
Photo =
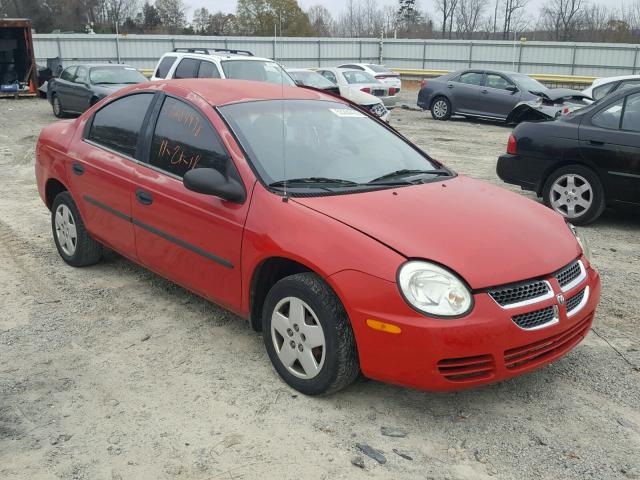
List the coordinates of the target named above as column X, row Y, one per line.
column 63, row 86
column 464, row 92
column 101, row 169
column 499, row 95
column 610, row 140
column 80, row 91
column 190, row 238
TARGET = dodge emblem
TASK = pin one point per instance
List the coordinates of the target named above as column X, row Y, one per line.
column 560, row 298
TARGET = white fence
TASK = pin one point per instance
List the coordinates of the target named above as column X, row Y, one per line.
column 143, row 51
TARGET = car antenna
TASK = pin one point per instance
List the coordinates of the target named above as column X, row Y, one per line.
column 285, row 197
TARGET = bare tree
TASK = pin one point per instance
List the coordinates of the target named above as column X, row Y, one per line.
column 446, row 9
column 513, row 20
column 562, row 17
column 468, row 16
column 321, row 20
column 201, row 20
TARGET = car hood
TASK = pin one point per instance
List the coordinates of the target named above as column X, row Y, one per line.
column 486, row 234
column 109, row 89
column 554, row 94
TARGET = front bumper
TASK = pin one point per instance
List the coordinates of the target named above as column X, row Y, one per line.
column 484, row 347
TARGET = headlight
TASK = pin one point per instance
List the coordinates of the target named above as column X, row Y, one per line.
column 433, row 290
column 586, row 251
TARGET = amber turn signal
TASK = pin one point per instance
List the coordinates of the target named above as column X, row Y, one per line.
column 382, row 326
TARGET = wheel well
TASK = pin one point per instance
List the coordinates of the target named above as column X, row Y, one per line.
column 266, row 275
column 52, row 189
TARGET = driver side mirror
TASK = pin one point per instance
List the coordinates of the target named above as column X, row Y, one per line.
column 511, row 88
column 210, row 181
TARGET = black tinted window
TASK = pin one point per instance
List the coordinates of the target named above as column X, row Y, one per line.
column 609, row 117
column 208, row 70
column 471, row 78
column 631, row 117
column 69, row 74
column 165, row 66
column 186, row 68
column 117, row 125
column 184, row 140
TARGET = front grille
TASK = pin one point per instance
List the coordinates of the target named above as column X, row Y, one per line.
column 568, row 274
column 574, row 301
column 543, row 350
column 536, row 318
column 467, row 368
column 512, row 294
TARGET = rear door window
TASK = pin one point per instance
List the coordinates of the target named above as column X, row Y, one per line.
column 184, row 139
column 186, row 68
column 631, row 116
column 208, row 70
column 69, row 74
column 165, row 65
column 471, row 78
column 118, row 124
column 610, row 116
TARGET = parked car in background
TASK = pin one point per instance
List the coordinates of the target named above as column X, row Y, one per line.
column 604, row 86
column 313, row 79
column 581, row 162
column 507, row 96
column 80, row 86
column 380, row 72
column 219, row 63
column 362, row 81
column 346, row 245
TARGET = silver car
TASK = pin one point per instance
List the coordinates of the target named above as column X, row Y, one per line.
column 360, row 80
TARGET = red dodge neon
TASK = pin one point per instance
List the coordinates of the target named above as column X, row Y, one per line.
column 350, row 248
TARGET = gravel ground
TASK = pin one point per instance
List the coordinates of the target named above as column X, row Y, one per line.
column 112, row 372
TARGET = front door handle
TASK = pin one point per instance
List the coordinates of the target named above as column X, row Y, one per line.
column 485, row 91
column 143, row 197
column 77, row 168
column 450, row 85
column 596, row 142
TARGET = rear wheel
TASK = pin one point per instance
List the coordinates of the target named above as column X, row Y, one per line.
column 308, row 335
column 576, row 193
column 74, row 244
column 441, row 109
column 58, row 111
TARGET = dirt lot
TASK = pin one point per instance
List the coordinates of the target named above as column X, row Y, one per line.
column 111, row 372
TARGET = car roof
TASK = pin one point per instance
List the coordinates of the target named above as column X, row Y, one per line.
column 102, row 65
column 605, row 80
column 219, row 92
column 216, row 56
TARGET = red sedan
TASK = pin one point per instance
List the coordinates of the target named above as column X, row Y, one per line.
column 350, row 248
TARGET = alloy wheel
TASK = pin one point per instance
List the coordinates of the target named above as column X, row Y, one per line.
column 66, row 230
column 298, row 338
column 571, row 195
column 440, row 108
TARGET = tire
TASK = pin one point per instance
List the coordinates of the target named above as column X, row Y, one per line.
column 65, row 221
column 56, row 105
column 575, row 192
column 324, row 369
column 441, row 108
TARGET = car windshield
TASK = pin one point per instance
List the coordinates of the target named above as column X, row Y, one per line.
column 259, row 70
column 356, row 76
column 527, row 83
column 115, row 75
column 321, row 140
column 312, row 79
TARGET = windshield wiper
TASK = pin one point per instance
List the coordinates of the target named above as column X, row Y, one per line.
column 107, row 83
column 314, row 181
column 406, row 172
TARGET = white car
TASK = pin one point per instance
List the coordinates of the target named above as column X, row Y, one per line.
column 361, row 80
column 313, row 79
column 219, row 63
column 380, row 72
column 602, row 87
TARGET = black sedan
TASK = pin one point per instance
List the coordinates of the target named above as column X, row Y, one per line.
column 495, row 95
column 582, row 162
column 80, row 86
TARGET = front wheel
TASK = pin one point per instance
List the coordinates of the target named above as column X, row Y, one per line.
column 56, row 105
column 576, row 193
column 308, row 336
column 74, row 244
column 441, row 109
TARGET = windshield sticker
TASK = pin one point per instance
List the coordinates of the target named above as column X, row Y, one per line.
column 346, row 112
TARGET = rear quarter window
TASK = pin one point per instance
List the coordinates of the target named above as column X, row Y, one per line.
column 165, row 65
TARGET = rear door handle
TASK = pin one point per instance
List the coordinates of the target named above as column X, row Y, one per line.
column 143, row 197
column 77, row 168
column 596, row 142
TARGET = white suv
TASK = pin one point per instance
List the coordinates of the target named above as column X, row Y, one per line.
column 219, row 63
